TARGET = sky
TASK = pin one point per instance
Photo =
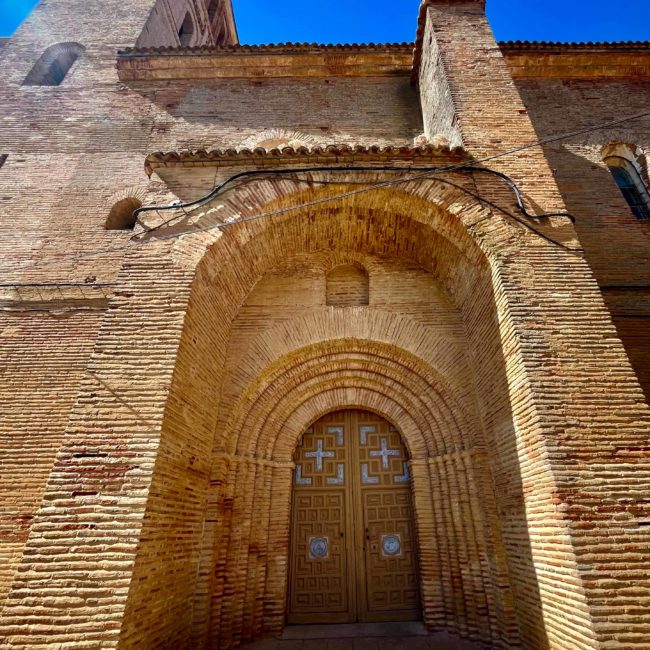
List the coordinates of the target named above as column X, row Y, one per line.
column 381, row 21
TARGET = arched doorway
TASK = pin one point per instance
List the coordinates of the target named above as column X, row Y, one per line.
column 353, row 542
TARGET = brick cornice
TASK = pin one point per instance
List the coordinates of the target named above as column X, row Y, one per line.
column 578, row 60
column 508, row 47
column 282, row 48
column 332, row 154
column 265, row 61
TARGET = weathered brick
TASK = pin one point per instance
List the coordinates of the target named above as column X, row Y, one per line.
column 155, row 387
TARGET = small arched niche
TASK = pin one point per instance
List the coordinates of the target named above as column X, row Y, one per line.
column 347, row 285
column 54, row 64
column 122, row 214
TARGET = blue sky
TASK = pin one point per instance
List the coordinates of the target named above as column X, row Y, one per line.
column 345, row 21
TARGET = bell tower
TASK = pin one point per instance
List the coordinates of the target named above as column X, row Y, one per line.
column 189, row 23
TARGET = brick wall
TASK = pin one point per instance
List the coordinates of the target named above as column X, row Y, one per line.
column 616, row 243
column 174, row 389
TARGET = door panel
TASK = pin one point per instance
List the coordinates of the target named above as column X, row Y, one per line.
column 320, row 585
column 320, row 571
column 389, row 574
column 353, row 548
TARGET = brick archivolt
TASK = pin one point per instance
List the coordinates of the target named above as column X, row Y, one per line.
column 421, row 389
column 421, row 212
column 260, row 441
column 313, row 363
column 182, row 297
column 365, row 358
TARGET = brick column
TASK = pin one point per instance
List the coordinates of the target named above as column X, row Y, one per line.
column 580, row 417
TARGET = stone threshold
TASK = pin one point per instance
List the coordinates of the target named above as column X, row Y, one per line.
column 354, row 631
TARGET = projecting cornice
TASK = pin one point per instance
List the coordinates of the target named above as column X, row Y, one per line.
column 557, row 46
column 554, row 59
column 265, row 61
column 332, row 154
column 538, row 59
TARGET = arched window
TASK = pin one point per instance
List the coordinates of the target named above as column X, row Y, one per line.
column 348, row 286
column 121, row 216
column 630, row 182
column 54, row 64
column 186, row 30
column 212, row 9
column 220, row 39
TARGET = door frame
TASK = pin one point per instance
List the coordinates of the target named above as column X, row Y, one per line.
column 355, row 530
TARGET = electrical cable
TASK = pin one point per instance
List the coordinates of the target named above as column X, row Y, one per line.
column 436, row 170
column 350, row 193
column 302, row 206
column 426, row 175
column 425, row 172
column 549, row 140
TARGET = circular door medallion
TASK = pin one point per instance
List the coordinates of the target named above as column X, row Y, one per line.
column 318, row 548
column 391, row 545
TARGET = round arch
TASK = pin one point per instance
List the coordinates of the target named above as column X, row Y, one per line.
column 256, row 464
column 242, row 566
column 280, row 390
column 411, row 223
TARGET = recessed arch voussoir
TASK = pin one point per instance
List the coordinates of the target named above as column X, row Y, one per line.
column 423, row 390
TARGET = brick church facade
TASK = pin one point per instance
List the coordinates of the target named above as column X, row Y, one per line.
column 321, row 333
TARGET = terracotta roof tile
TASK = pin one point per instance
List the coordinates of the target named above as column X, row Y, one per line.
column 333, row 152
column 290, row 48
column 510, row 46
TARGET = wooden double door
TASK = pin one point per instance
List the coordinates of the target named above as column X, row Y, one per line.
column 353, row 546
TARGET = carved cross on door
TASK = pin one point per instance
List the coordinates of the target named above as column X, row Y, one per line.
column 319, row 454
column 385, row 453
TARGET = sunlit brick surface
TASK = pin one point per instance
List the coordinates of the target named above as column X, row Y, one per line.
column 154, row 390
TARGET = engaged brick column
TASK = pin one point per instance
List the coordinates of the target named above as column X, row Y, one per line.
column 72, row 584
column 581, row 420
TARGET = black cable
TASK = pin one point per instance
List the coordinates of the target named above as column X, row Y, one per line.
column 426, row 175
column 447, row 168
column 549, row 140
column 426, row 172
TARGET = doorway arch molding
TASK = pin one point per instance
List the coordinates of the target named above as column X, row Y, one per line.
column 277, row 393
column 389, row 335
column 454, row 506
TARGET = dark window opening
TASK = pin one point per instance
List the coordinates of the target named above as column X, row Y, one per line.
column 186, row 30
column 54, row 64
column 631, row 185
column 3, row 158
